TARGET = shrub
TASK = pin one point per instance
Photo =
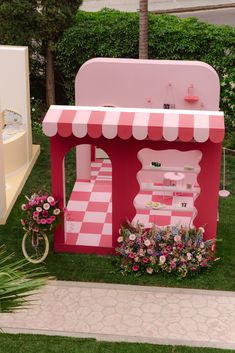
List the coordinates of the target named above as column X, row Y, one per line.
column 110, row 33
column 177, row 250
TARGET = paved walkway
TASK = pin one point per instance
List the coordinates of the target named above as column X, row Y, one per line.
column 155, row 5
column 129, row 313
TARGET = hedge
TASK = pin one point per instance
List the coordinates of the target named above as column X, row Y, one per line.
column 110, row 33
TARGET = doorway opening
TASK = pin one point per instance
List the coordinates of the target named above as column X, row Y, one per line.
column 88, row 215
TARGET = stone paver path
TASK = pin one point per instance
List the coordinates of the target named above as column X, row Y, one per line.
column 129, row 313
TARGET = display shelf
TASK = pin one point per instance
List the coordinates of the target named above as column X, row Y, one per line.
column 149, row 187
column 163, row 207
column 191, row 99
column 171, row 169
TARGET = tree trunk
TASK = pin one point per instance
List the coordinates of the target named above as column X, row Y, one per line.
column 50, row 79
column 143, row 30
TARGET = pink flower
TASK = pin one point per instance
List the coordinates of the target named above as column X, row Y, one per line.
column 48, row 220
column 22, row 221
column 50, row 199
column 149, row 270
column 162, row 259
column 203, row 263
column 145, row 260
column 24, row 207
column 173, row 264
column 46, row 206
column 52, row 203
column 189, row 255
column 120, row 239
column 132, row 236
column 168, row 248
column 35, row 214
column 177, row 238
column 43, row 221
column 147, row 242
column 135, row 268
column 39, row 209
column 131, row 255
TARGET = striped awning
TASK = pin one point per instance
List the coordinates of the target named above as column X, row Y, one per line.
column 153, row 124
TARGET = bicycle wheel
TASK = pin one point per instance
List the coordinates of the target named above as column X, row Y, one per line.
column 35, row 247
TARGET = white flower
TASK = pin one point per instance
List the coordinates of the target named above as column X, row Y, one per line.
column 147, row 242
column 33, row 109
column 149, row 270
column 39, row 209
column 23, row 207
column 46, row 206
column 132, row 236
column 162, row 259
column 120, row 239
column 50, row 199
column 56, row 211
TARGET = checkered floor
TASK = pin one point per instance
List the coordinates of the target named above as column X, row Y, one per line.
column 88, row 220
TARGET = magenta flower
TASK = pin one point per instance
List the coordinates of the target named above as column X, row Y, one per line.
column 135, row 268
column 45, row 213
column 145, row 260
column 131, row 255
column 48, row 220
column 43, row 221
column 35, row 214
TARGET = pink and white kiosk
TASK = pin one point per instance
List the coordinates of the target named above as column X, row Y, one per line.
column 148, row 137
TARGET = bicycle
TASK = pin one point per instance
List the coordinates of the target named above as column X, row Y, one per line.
column 35, row 246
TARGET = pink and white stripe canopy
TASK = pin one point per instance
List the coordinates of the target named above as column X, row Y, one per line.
column 153, row 124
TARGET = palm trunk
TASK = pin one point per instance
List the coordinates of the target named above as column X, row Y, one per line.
column 143, row 30
column 50, row 79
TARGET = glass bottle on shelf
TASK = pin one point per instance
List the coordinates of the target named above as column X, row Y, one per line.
column 169, row 100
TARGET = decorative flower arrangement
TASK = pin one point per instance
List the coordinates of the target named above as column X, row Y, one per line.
column 178, row 250
column 41, row 212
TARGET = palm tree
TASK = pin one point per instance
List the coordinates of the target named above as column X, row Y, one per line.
column 17, row 282
column 143, row 30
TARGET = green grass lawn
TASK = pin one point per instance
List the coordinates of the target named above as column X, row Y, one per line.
column 100, row 269
column 49, row 344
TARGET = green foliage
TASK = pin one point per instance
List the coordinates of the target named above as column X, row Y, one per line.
column 18, row 19
column 16, row 282
column 93, row 268
column 34, row 23
column 110, row 33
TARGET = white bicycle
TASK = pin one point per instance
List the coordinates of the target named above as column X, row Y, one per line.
column 35, row 246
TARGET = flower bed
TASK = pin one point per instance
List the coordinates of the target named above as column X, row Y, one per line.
column 177, row 250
